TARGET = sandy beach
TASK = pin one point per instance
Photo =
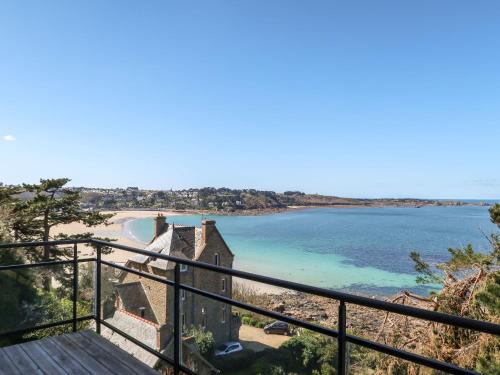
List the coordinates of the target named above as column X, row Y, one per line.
column 115, row 230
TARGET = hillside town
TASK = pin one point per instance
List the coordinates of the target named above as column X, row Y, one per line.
column 227, row 200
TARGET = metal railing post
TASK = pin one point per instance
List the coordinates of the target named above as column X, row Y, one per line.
column 98, row 291
column 341, row 360
column 75, row 284
column 177, row 319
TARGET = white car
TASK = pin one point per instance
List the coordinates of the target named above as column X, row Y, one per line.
column 228, row 348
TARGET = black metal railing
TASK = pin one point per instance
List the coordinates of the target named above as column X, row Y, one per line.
column 340, row 333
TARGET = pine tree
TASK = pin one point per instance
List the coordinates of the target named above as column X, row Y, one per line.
column 43, row 207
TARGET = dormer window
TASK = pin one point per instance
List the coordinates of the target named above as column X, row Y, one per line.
column 217, row 259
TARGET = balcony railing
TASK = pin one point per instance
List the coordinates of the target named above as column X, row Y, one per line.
column 343, row 298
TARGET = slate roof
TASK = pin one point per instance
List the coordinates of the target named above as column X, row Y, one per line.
column 182, row 241
column 166, row 264
column 134, row 297
column 144, row 332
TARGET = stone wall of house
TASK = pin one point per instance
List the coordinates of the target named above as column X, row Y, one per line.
column 196, row 310
column 218, row 315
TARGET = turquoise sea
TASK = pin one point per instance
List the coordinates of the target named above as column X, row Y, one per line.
column 363, row 250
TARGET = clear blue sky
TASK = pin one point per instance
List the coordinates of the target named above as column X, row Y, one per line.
column 358, row 98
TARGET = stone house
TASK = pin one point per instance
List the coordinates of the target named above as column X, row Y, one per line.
column 144, row 307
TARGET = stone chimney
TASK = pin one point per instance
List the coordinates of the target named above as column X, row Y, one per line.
column 161, row 225
column 207, row 227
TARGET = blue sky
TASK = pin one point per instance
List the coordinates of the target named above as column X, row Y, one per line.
column 359, row 98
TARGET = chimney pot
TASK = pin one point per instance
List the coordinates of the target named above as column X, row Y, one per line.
column 161, row 225
column 207, row 227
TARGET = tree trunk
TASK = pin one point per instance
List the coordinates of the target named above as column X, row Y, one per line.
column 47, row 278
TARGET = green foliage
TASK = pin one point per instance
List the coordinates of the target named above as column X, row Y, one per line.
column 426, row 274
column 489, row 295
column 310, row 351
column 23, row 303
column 204, row 340
column 17, row 294
column 463, row 259
column 307, row 353
column 50, row 204
column 471, row 287
column 495, row 214
column 49, row 307
column 254, row 320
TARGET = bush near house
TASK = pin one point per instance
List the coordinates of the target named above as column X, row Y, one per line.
column 306, row 353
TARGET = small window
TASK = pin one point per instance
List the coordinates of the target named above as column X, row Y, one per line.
column 183, row 267
column 223, row 286
column 223, row 315
column 203, row 318
column 183, row 294
column 183, row 320
column 217, row 259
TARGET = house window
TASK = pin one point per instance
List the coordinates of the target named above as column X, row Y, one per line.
column 183, row 267
column 203, row 318
column 223, row 286
column 183, row 294
column 183, row 320
column 217, row 259
column 223, row 315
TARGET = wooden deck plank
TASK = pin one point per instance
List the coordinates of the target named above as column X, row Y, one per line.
column 111, row 363
column 126, row 358
column 90, row 364
column 7, row 367
column 84, row 353
column 35, row 352
column 66, row 360
column 23, row 363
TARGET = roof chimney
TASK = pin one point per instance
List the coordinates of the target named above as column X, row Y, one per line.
column 161, row 225
column 207, row 227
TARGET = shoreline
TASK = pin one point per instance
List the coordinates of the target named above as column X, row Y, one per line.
column 277, row 210
column 117, row 229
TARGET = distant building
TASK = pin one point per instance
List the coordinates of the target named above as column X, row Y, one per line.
column 144, row 308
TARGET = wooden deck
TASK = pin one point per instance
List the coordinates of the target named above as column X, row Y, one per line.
column 82, row 352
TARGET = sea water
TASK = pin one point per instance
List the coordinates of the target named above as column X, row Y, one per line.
column 356, row 249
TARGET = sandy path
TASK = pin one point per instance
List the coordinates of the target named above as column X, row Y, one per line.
column 255, row 339
column 114, row 230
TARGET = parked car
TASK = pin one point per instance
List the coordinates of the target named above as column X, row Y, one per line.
column 228, row 348
column 277, row 327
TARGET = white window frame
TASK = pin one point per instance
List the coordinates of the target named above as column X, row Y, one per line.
column 183, row 294
column 223, row 317
column 224, row 286
column 217, row 259
column 183, row 267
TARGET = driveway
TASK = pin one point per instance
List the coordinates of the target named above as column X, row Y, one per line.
column 256, row 340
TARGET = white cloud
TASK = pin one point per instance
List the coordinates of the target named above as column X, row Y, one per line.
column 9, row 138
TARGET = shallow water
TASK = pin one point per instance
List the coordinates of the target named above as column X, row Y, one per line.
column 356, row 249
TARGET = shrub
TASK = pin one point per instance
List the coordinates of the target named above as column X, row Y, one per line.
column 235, row 361
column 204, row 340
